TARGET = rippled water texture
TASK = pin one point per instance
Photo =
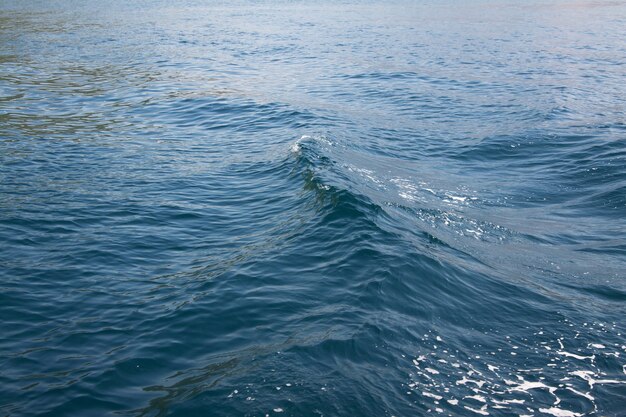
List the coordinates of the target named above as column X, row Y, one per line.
column 303, row 208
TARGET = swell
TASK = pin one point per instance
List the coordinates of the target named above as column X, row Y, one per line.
column 479, row 224
column 438, row 223
column 316, row 230
column 424, row 281
column 345, row 278
column 381, row 286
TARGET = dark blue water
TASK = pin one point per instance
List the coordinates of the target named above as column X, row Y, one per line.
column 303, row 209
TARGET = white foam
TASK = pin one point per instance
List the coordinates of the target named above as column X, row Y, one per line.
column 483, row 410
column 528, row 385
column 513, row 401
column 477, row 398
column 588, row 376
column 559, row 412
column 507, row 387
column 295, row 147
column 428, row 394
column 466, row 380
column 582, row 394
column 456, row 198
column 575, row 356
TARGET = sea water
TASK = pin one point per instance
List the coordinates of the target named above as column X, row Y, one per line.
column 299, row 208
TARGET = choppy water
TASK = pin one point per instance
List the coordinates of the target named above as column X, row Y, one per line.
column 350, row 208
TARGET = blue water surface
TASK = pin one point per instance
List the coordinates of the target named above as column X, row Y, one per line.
column 299, row 208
